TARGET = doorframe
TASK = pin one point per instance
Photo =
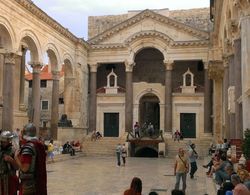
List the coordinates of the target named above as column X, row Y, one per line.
column 110, row 108
column 195, row 125
column 195, row 108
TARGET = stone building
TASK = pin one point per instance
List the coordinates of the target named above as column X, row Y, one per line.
column 178, row 69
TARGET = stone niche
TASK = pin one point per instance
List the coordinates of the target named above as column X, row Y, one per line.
column 188, row 82
column 111, row 87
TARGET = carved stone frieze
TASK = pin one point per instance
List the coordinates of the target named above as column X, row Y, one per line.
column 215, row 70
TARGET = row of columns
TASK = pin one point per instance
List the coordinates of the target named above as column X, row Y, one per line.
column 8, row 92
column 129, row 98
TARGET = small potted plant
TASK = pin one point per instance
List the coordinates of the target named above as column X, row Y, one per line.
column 246, row 148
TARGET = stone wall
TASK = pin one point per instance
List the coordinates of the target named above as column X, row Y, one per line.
column 198, row 18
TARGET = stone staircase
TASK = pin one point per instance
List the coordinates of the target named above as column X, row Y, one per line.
column 202, row 146
column 101, row 147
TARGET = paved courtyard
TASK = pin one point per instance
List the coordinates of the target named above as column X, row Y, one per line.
column 101, row 176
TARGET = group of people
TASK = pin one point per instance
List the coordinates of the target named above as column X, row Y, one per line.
column 96, row 135
column 29, row 160
column 121, row 152
column 136, row 189
column 229, row 180
column 147, row 127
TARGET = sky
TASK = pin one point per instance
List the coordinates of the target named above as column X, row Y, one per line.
column 73, row 14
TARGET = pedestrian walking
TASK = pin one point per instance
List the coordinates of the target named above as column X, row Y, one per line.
column 193, row 155
column 124, row 154
column 118, row 154
column 181, row 169
column 31, row 160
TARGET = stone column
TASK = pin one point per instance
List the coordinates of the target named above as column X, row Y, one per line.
column 238, row 89
column 129, row 97
column 36, row 95
column 226, row 121
column 231, row 108
column 216, row 73
column 168, row 96
column 245, row 71
column 8, row 92
column 55, row 104
column 22, row 80
column 207, row 102
column 92, row 98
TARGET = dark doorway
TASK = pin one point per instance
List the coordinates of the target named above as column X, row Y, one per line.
column 146, row 152
column 150, row 110
column 188, row 125
column 111, row 124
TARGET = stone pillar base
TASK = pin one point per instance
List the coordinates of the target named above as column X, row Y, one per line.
column 162, row 148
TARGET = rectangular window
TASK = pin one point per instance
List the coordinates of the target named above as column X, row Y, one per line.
column 43, row 84
column 30, row 84
column 61, row 101
column 45, row 105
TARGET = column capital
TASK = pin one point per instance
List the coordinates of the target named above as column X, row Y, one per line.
column 55, row 74
column 215, row 70
column 205, row 64
column 169, row 64
column 93, row 67
column 9, row 58
column 37, row 66
column 129, row 65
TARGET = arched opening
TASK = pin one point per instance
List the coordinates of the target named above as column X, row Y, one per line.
column 149, row 111
column 147, row 152
column 149, row 66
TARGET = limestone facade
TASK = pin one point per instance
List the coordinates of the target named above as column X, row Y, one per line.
column 174, row 68
column 228, row 67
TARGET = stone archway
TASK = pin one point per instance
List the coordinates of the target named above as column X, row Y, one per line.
column 146, row 152
column 149, row 110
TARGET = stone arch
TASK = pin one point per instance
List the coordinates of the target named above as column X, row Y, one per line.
column 146, row 151
column 29, row 38
column 147, row 91
column 147, row 42
column 6, row 28
column 68, row 65
column 54, row 57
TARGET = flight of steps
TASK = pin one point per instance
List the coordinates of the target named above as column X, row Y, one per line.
column 102, row 147
column 202, row 146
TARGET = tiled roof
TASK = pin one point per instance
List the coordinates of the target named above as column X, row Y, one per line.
column 44, row 75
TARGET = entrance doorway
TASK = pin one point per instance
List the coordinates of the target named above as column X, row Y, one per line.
column 150, row 111
column 111, row 124
column 188, row 125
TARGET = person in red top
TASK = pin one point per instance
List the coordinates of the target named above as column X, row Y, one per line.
column 31, row 159
column 8, row 166
column 135, row 187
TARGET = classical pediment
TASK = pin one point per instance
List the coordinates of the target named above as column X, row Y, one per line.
column 149, row 24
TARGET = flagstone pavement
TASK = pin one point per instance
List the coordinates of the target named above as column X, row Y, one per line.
column 101, row 176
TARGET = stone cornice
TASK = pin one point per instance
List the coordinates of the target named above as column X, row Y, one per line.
column 178, row 44
column 148, row 14
column 41, row 15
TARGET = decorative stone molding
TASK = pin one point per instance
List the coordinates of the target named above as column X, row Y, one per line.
column 55, row 75
column 188, row 88
column 111, row 89
column 10, row 58
column 169, row 64
column 37, row 66
column 41, row 15
column 148, row 14
column 129, row 66
column 215, row 70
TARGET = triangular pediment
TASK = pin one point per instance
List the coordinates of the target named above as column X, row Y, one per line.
column 148, row 23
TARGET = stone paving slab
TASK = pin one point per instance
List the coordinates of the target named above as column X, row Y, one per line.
column 101, row 176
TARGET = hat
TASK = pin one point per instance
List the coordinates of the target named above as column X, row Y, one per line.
column 6, row 136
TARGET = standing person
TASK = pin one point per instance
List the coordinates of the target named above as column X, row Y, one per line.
column 181, row 169
column 193, row 155
column 51, row 150
column 31, row 159
column 118, row 154
column 8, row 166
column 137, row 129
column 124, row 154
column 177, row 135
